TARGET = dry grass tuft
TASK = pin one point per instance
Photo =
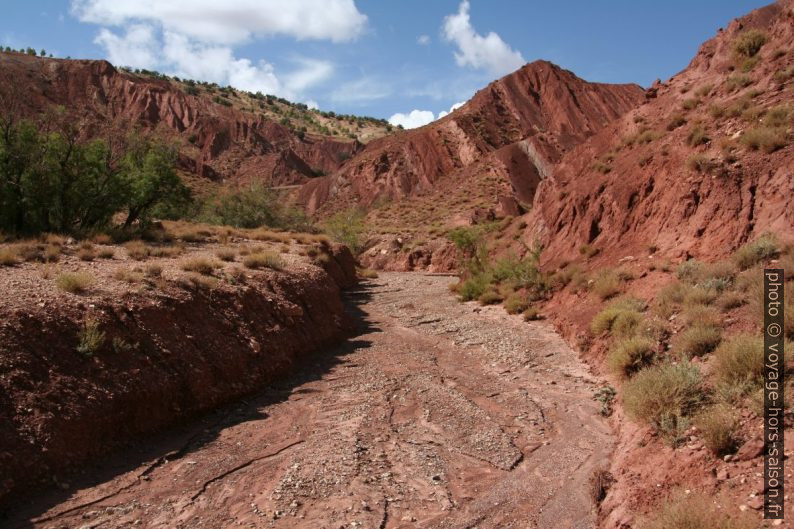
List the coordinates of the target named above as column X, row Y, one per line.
column 201, row 265
column 694, row 511
column 74, row 282
column 263, row 260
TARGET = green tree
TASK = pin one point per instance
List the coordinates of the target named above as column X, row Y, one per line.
column 149, row 179
column 347, row 227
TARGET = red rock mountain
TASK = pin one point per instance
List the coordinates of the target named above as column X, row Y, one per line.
column 704, row 165
column 517, row 126
column 229, row 142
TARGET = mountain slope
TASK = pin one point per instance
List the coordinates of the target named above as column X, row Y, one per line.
column 684, row 172
column 517, row 125
column 225, row 135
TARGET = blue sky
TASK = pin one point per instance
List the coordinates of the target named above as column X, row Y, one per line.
column 407, row 60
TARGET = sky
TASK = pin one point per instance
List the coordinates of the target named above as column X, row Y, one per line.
column 408, row 61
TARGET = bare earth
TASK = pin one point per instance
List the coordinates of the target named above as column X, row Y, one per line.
column 437, row 414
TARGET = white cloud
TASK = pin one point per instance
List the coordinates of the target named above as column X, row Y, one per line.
column 418, row 118
column 424, row 40
column 489, row 52
column 195, row 39
column 451, row 109
column 232, row 22
column 414, row 119
column 137, row 47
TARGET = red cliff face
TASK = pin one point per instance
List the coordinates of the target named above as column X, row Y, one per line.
column 218, row 142
column 518, row 126
column 678, row 172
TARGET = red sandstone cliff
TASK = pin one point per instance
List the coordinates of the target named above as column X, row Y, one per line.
column 518, row 126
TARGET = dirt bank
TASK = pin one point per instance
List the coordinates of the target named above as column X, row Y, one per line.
column 167, row 349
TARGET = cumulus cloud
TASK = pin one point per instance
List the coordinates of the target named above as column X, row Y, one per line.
column 451, row 109
column 487, row 52
column 424, row 40
column 412, row 120
column 232, row 22
column 136, row 47
column 195, row 39
column 419, row 118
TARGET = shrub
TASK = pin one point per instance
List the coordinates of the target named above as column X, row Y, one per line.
column 106, row 253
column 702, row 315
column 9, row 256
column 86, row 254
column 697, row 340
column 762, row 137
column 689, row 270
column 694, row 511
column 622, row 316
column 691, row 103
column 532, row 314
column 347, row 228
column 201, row 265
column 490, row 297
column 700, row 296
column 740, row 360
column 259, row 260
column 752, row 253
column 629, row 355
column 732, row 300
column 668, row 298
column 664, row 395
column 198, row 281
column 137, row 250
column 676, row 120
column 128, row 276
column 588, row 250
column 697, row 136
column 699, row 162
column 516, row 303
column 749, row 43
column 738, row 81
column 153, row 271
column 91, row 339
column 718, row 425
column 606, row 284
column 226, row 254
column 74, row 283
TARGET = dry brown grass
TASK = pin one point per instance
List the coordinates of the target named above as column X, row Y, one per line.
column 137, row 250
column 9, row 256
column 86, row 254
column 694, row 511
column 106, row 253
column 226, row 254
column 719, row 425
column 201, row 265
column 130, row 276
column 74, row 282
column 263, row 260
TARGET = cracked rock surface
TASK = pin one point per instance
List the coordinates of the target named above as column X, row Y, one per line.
column 436, row 414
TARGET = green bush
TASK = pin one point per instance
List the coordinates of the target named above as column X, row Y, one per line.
column 629, row 355
column 664, row 395
column 752, row 253
column 516, row 303
column 346, row 227
column 473, row 287
column 764, row 138
column 740, row 360
column 607, row 283
column 697, row 340
column 490, row 297
column 52, row 180
column 91, row 339
column 749, row 43
column 254, row 206
column 689, row 270
column 622, row 317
